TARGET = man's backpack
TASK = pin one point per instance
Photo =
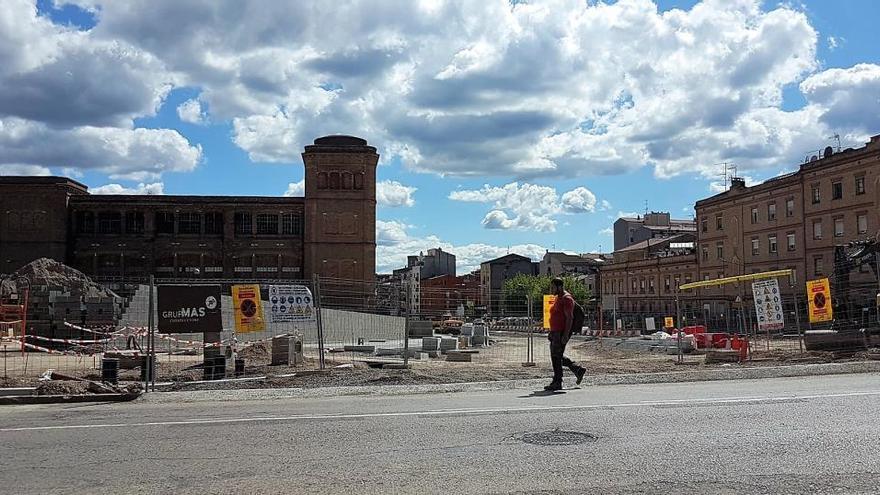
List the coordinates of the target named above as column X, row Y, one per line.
column 577, row 318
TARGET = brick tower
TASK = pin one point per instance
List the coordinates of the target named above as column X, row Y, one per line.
column 340, row 208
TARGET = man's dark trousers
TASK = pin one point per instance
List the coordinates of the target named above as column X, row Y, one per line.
column 558, row 341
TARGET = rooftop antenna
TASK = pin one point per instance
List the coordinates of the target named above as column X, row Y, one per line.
column 646, row 207
column 727, row 167
column 836, row 136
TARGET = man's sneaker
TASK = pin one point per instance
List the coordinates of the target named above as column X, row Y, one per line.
column 553, row 387
column 580, row 375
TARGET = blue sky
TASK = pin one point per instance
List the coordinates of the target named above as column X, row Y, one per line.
column 525, row 128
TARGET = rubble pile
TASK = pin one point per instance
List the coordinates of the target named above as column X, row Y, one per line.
column 45, row 272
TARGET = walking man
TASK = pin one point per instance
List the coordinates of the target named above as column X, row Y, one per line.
column 561, row 319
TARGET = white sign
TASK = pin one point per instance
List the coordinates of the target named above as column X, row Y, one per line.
column 290, row 303
column 768, row 305
column 649, row 324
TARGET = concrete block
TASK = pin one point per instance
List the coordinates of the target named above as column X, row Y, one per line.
column 420, row 328
column 448, row 343
column 360, row 348
column 431, row 344
column 459, row 357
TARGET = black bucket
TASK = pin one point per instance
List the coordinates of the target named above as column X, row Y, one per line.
column 148, row 368
column 239, row 367
column 208, row 366
column 110, row 370
column 219, row 368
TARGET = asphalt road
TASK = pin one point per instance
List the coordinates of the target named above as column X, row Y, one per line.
column 790, row 435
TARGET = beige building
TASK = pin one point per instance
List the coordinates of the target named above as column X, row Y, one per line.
column 790, row 222
column 643, row 278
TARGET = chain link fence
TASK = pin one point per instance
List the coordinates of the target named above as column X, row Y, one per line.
column 392, row 323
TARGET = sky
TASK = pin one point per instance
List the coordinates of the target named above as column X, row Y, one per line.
column 503, row 126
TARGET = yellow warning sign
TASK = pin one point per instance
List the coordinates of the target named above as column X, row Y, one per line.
column 668, row 322
column 548, row 303
column 248, row 308
column 819, row 299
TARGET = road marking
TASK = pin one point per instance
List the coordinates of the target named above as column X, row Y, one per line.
column 447, row 412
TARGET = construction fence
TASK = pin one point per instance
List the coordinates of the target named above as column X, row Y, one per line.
column 384, row 324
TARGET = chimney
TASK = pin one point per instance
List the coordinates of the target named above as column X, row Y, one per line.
column 737, row 183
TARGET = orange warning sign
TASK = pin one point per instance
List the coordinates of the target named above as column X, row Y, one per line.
column 819, row 299
column 548, row 302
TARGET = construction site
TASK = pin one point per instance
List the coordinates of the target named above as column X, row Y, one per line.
column 64, row 333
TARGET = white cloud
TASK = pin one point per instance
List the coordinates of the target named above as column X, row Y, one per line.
column 133, row 154
column 18, row 169
column 624, row 214
column 833, row 43
column 390, row 233
column 716, row 187
column 608, row 231
column 605, row 205
column 393, row 194
column 394, row 244
column 555, row 88
column 579, row 200
column 850, row 98
column 191, row 111
column 296, row 189
column 155, row 188
column 68, row 100
column 527, row 206
column 559, row 88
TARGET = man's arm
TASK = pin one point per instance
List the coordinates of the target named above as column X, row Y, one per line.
column 568, row 308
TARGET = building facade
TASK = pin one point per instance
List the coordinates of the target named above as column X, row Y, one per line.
column 329, row 232
column 644, row 278
column 791, row 222
column 494, row 273
column 454, row 295
column 654, row 225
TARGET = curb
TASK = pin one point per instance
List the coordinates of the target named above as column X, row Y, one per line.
column 597, row 380
column 65, row 399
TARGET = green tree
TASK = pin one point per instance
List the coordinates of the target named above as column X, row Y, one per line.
column 516, row 290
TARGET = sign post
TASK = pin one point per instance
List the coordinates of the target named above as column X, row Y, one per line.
column 291, row 303
column 768, row 305
column 819, row 300
column 189, row 309
column 248, row 309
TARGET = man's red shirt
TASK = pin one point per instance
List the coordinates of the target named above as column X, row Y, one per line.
column 564, row 305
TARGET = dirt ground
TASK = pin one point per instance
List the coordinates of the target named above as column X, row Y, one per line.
column 501, row 361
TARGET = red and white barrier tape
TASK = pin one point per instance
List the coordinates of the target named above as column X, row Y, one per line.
column 48, row 351
column 195, row 343
column 68, row 341
column 137, row 331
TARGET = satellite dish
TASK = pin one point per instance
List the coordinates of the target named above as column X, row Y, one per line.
column 828, row 152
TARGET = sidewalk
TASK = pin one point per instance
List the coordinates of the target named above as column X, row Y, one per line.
column 726, row 373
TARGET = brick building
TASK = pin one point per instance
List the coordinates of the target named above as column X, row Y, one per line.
column 494, row 272
column 446, row 294
column 331, row 231
column 643, row 279
column 654, row 225
column 789, row 222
